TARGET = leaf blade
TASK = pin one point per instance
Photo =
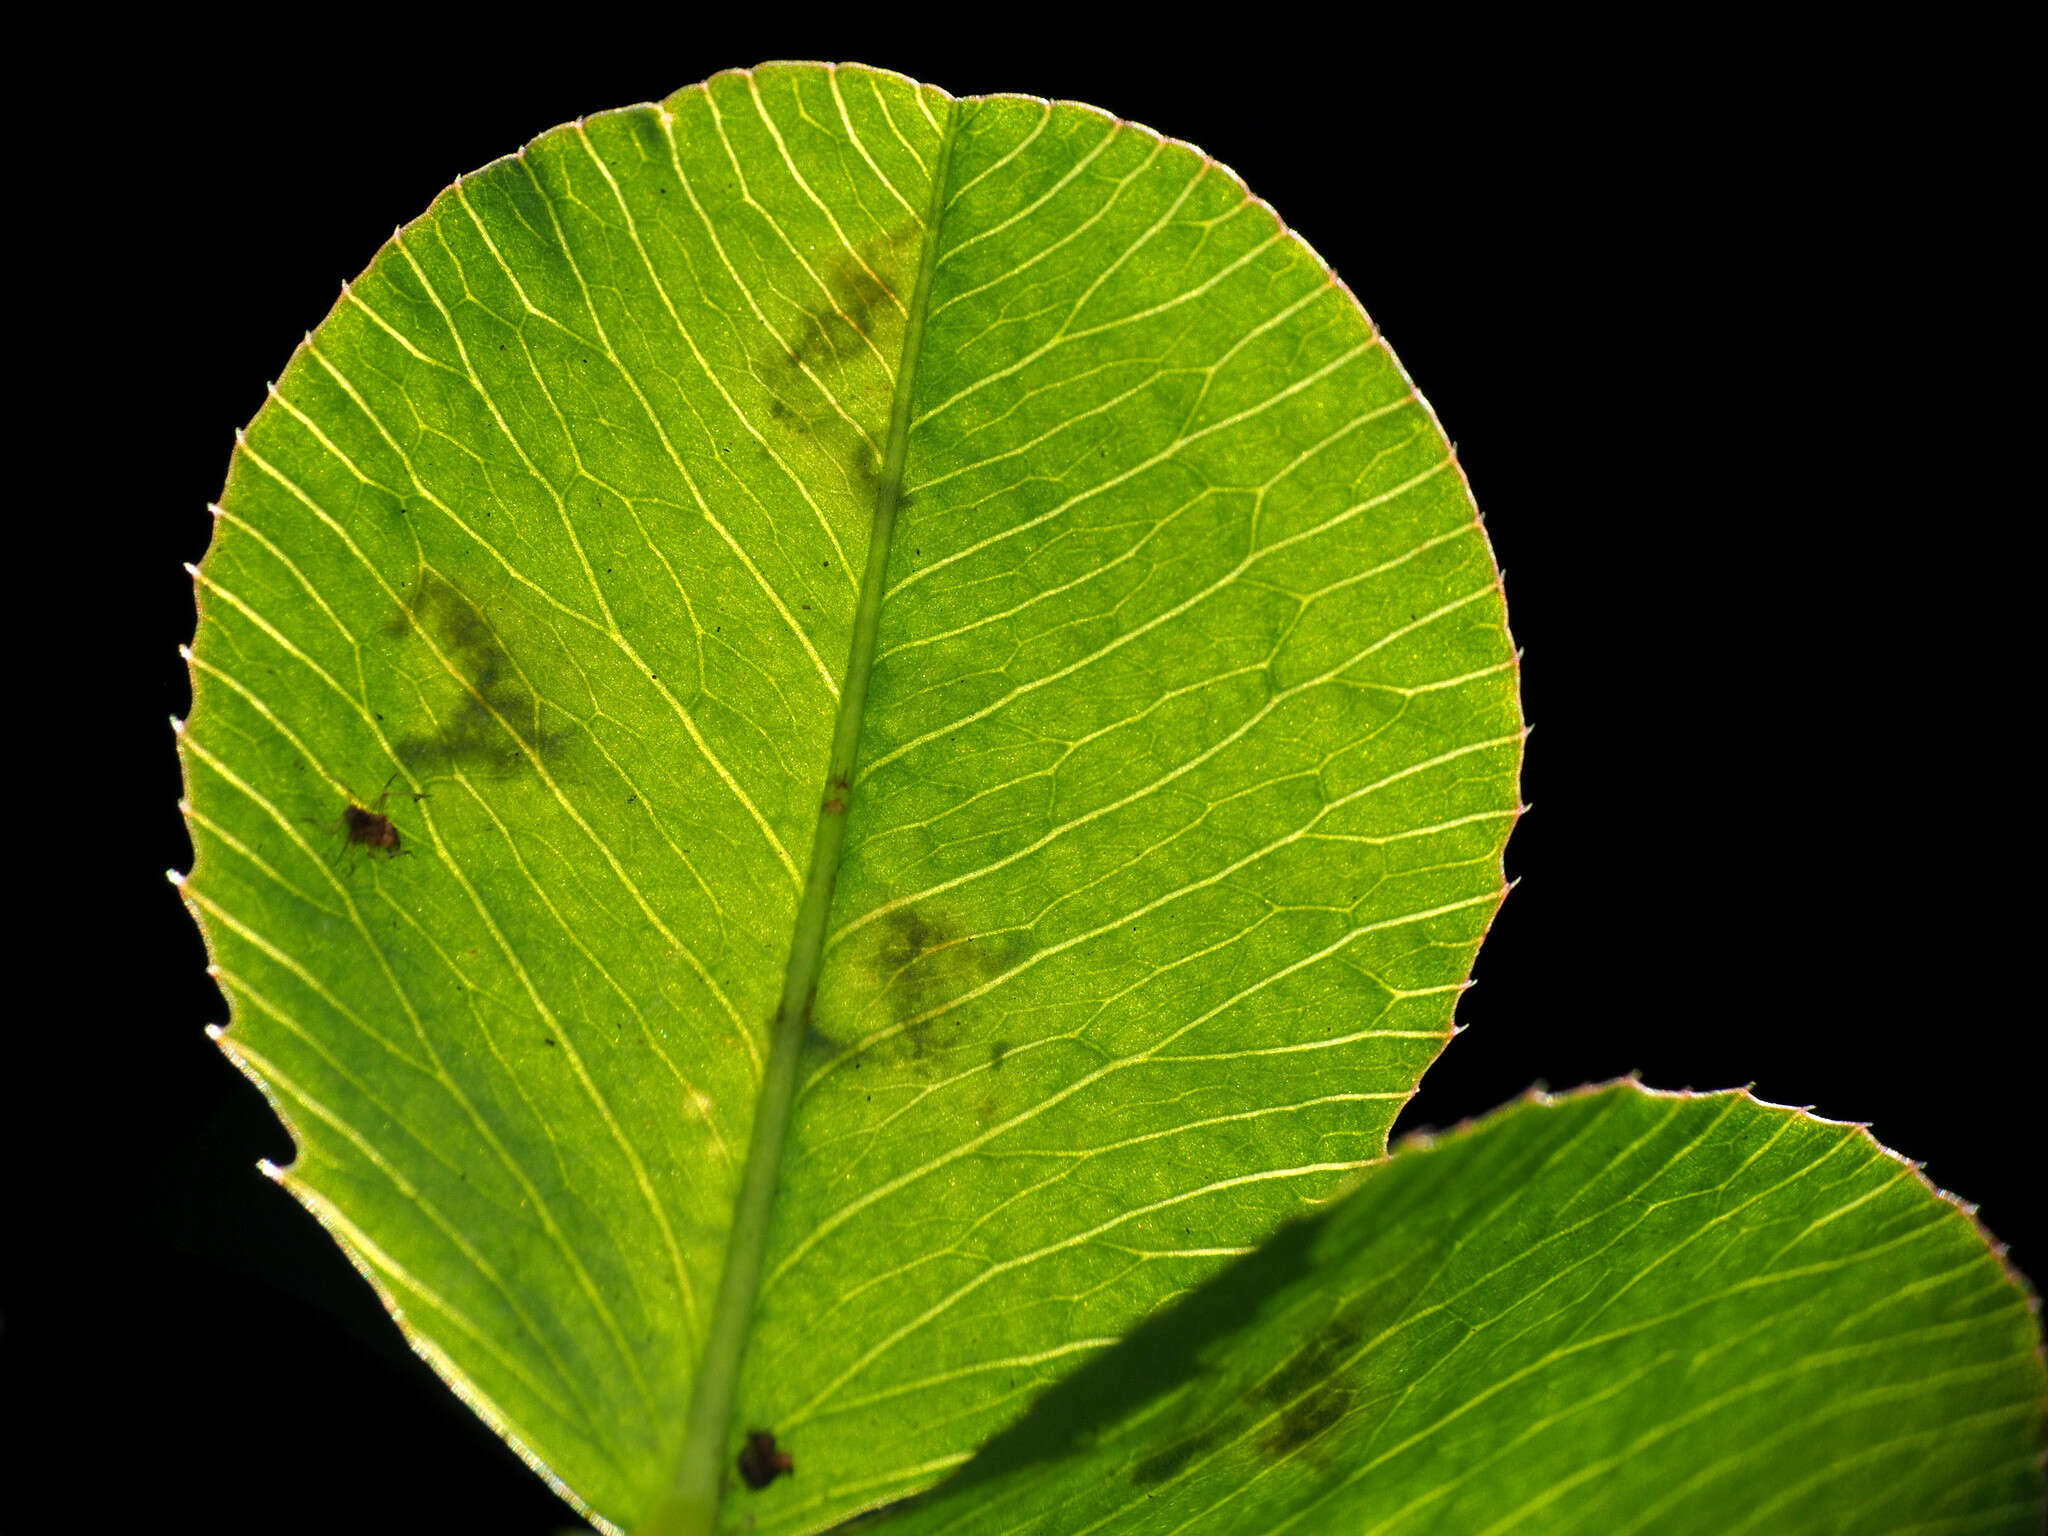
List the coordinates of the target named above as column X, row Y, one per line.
column 1618, row 1311
column 557, row 524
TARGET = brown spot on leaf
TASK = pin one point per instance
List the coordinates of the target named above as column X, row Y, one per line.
column 761, row 1462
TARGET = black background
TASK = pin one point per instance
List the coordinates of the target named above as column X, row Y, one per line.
column 1710, row 316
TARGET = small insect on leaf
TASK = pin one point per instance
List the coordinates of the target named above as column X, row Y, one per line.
column 760, row 1462
column 372, row 830
column 368, row 826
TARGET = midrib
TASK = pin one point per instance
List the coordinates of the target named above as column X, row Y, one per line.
column 691, row 1508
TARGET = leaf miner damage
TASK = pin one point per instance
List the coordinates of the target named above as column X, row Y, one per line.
column 483, row 711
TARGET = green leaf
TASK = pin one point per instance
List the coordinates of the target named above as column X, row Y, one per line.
column 1613, row 1313
column 946, row 725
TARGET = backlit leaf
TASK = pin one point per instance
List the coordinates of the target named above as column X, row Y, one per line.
column 841, row 738
column 1612, row 1314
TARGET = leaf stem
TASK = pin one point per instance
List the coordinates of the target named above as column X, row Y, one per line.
column 691, row 1507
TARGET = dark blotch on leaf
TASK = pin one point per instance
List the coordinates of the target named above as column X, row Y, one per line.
column 1307, row 1417
column 860, row 315
column 490, row 717
column 1161, row 1465
column 907, row 989
column 1312, row 1365
column 920, row 965
column 1306, row 1389
column 760, row 1462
